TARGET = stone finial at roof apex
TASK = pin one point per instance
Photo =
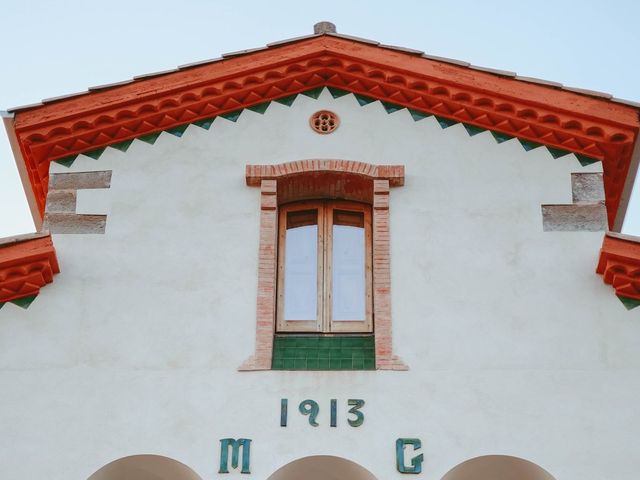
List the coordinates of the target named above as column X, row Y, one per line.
column 324, row 27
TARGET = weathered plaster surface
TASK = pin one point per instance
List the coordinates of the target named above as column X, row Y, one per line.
column 514, row 344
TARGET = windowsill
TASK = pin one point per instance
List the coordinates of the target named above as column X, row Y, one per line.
column 323, row 352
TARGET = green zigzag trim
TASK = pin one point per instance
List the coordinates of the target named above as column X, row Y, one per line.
column 122, row 146
column 391, row 107
column 95, row 154
column 24, row 302
column 445, row 122
column 260, row 107
column 150, row 138
column 232, row 116
column 417, row 116
column 500, row 137
column 314, row 93
column 288, row 100
column 585, row 161
column 337, row 92
column 557, row 153
column 206, row 123
column 67, row 161
column 529, row 145
column 363, row 99
column 473, row 130
column 629, row 303
column 177, row 131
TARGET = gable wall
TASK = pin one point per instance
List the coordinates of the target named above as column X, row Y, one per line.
column 514, row 344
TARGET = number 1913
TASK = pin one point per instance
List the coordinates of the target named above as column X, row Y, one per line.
column 312, row 409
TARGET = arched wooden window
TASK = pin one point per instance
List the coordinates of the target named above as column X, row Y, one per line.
column 311, row 213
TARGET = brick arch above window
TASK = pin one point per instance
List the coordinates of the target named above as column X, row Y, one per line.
column 323, row 178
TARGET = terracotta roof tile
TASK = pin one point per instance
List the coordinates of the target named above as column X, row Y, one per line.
column 109, row 85
column 64, row 97
column 591, row 93
column 154, row 74
column 243, row 52
column 453, row 61
column 539, row 81
column 402, row 49
column 502, row 73
column 199, row 63
column 355, row 39
column 291, row 40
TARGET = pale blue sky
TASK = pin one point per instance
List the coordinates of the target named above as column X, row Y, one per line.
column 50, row 48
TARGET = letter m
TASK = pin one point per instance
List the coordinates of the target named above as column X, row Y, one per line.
column 235, row 445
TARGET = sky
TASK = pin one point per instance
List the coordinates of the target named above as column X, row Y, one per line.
column 51, row 48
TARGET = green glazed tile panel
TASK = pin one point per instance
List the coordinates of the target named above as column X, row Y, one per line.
column 320, row 352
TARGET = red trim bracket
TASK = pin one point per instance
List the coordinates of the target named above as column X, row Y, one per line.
column 26, row 265
column 619, row 265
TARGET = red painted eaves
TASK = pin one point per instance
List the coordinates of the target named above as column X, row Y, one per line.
column 27, row 264
column 619, row 265
column 583, row 124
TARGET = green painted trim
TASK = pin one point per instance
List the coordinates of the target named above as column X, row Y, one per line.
column 529, row 145
column 629, row 303
column 557, row 153
column 2, row 305
column 417, row 116
column 150, row 138
column 391, row 107
column 323, row 352
column 445, row 122
column 178, row 131
column 67, row 161
column 206, row 123
column 363, row 99
column 501, row 137
column 473, row 130
column 288, row 100
column 232, row 116
column 24, row 302
column 122, row 146
column 95, row 154
column 313, row 93
column 260, row 107
column 586, row 161
column 337, row 92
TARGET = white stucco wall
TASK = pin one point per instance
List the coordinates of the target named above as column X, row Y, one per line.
column 514, row 344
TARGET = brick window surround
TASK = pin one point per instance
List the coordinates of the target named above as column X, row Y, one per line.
column 308, row 179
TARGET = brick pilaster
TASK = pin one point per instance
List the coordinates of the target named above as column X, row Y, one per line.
column 385, row 360
column 266, row 303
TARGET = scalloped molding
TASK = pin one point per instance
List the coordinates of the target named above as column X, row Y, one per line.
column 619, row 265
column 26, row 265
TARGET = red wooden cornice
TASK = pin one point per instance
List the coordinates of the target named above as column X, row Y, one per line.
column 26, row 265
column 586, row 125
column 619, row 265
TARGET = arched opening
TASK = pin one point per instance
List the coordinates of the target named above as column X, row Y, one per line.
column 322, row 467
column 145, row 467
column 497, row 467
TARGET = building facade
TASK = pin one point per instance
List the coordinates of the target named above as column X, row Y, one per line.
column 324, row 258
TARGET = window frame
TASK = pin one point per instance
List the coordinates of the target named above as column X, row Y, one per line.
column 292, row 181
column 324, row 322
